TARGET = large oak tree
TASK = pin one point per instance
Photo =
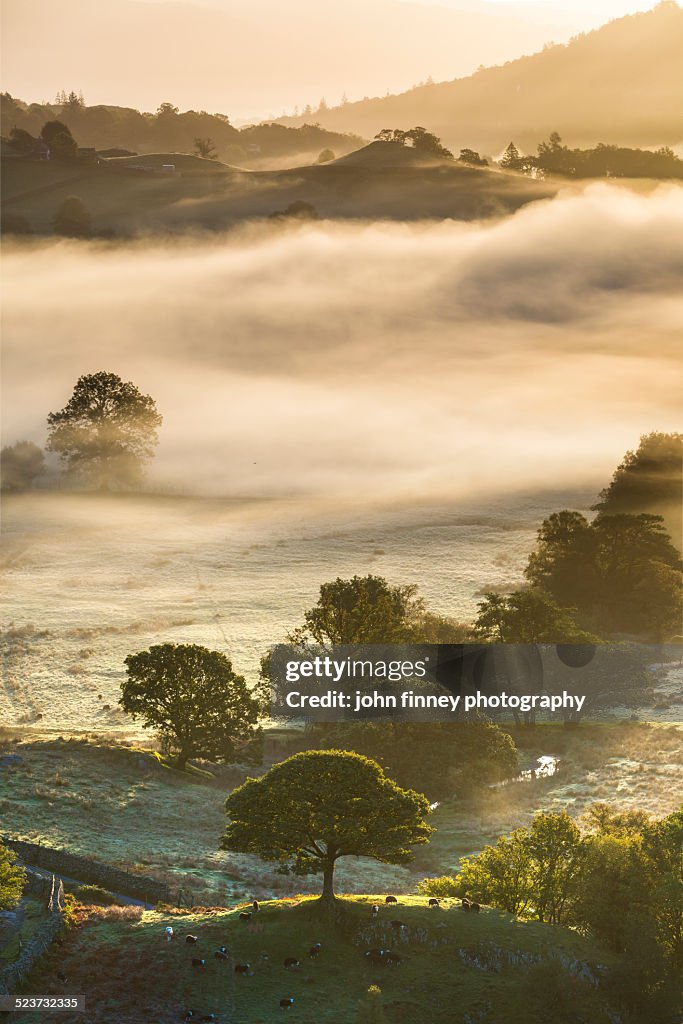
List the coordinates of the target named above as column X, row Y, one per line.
column 317, row 806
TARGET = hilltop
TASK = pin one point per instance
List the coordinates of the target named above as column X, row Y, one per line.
column 453, row 966
column 132, row 195
column 621, row 84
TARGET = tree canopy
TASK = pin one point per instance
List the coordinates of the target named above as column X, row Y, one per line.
column 649, row 480
column 20, row 464
column 317, row 806
column 194, row 699
column 72, row 219
column 621, row 573
column 106, row 432
column 363, row 609
column 526, row 617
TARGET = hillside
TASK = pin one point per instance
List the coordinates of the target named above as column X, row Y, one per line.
column 453, row 966
column 621, row 84
column 124, row 199
column 171, row 130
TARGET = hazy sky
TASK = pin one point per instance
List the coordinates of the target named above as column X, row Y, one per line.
column 257, row 58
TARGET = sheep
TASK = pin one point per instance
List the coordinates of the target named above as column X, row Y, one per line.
column 434, row 903
column 398, row 925
column 245, row 916
column 391, row 899
column 243, row 969
column 220, row 954
column 190, row 939
column 375, row 956
column 223, row 949
column 466, row 905
column 169, row 933
column 287, row 1004
column 189, row 1014
column 199, row 964
column 392, row 959
column 255, row 907
column 474, row 907
column 375, row 910
column 291, row 962
column 314, row 951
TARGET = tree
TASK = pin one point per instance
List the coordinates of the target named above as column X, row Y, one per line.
column 325, row 156
column 317, row 806
column 526, row 617
column 53, row 128
column 12, row 879
column 472, row 158
column 500, row 874
column 621, row 573
column 649, row 480
column 511, row 159
column 531, row 872
column 192, row 696
column 205, row 148
column 22, row 141
column 72, row 219
column 438, row 758
column 167, row 110
column 364, row 609
column 20, row 464
column 106, row 431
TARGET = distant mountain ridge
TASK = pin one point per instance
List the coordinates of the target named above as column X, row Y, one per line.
column 621, row 84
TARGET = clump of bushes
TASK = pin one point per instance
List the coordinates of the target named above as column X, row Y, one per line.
column 95, row 894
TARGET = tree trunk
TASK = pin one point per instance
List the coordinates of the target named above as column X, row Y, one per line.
column 328, row 881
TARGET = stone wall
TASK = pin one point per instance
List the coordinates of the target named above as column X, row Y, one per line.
column 91, row 872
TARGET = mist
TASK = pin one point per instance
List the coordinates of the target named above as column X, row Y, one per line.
column 369, row 361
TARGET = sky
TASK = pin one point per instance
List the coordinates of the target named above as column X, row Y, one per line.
column 254, row 59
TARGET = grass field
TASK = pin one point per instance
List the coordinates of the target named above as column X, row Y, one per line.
column 122, row 806
column 453, row 965
column 208, row 196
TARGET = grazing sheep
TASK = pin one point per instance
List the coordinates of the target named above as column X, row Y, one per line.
column 169, row 933
column 391, row 899
column 190, row 939
column 264, row 957
column 375, row 956
column 314, row 951
column 243, row 969
column 291, row 961
column 398, row 925
column 466, row 905
column 196, row 962
column 434, row 903
column 220, row 954
column 255, row 907
column 375, row 910
column 474, row 907
column 287, row 1004
column 245, row 916
column 189, row 1014
column 223, row 949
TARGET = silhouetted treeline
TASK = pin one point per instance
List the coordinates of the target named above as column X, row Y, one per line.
column 169, row 130
column 602, row 161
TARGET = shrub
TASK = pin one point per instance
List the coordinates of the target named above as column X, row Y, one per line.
column 95, row 894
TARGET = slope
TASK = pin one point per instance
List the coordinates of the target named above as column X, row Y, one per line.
column 621, row 84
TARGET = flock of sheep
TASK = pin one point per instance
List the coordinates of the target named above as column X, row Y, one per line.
column 376, row 957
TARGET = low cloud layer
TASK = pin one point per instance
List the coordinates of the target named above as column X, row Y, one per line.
column 377, row 359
